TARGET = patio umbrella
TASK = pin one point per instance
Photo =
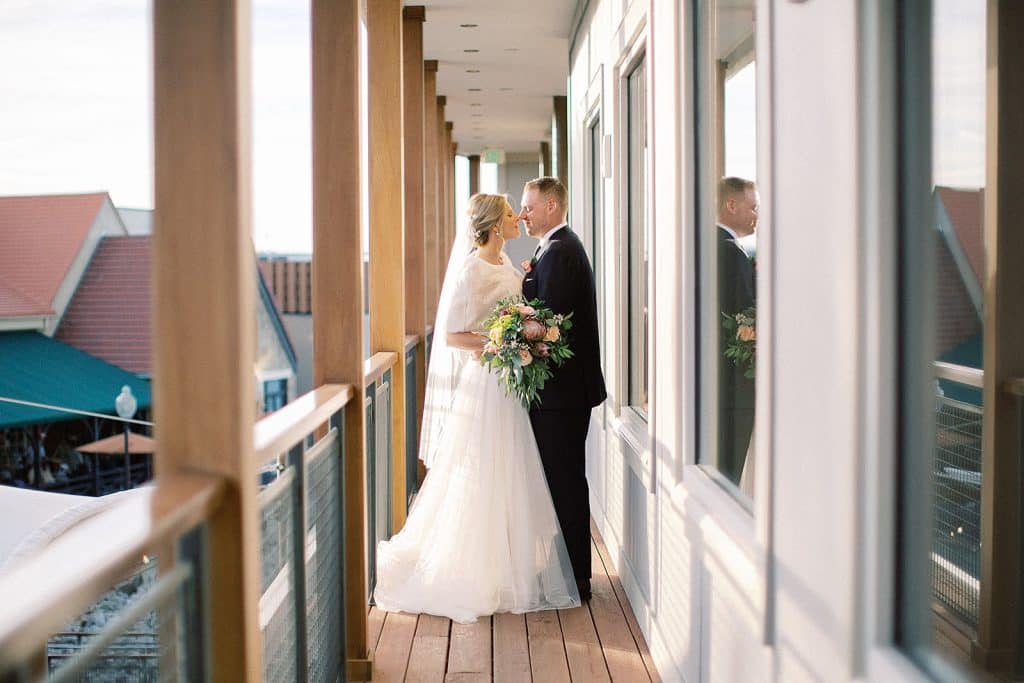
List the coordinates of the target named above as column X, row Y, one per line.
column 137, row 443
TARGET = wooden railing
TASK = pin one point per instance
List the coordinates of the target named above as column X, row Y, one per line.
column 46, row 591
column 302, row 603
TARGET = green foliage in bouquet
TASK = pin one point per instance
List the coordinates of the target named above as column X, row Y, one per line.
column 741, row 340
column 523, row 340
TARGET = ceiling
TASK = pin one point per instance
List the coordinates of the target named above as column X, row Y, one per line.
column 522, row 61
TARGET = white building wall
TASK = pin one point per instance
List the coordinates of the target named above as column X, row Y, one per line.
column 782, row 589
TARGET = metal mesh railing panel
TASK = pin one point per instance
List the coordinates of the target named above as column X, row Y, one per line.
column 277, row 616
column 323, row 565
column 956, row 552
column 142, row 620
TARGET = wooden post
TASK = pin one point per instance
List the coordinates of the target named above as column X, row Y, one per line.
column 1000, row 644
column 432, row 222
column 387, row 218
column 562, row 138
column 204, row 299
column 474, row 174
column 442, row 191
column 338, row 282
column 415, row 212
column 449, row 179
column 545, row 158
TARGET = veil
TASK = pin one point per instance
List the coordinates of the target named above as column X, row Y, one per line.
column 445, row 362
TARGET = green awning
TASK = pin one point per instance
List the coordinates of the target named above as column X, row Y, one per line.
column 36, row 368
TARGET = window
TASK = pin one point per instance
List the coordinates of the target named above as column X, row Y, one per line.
column 636, row 206
column 726, row 221
column 959, row 531
column 596, row 197
column 275, row 395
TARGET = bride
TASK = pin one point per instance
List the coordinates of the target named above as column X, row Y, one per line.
column 482, row 535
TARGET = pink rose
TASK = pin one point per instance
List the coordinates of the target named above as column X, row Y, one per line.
column 543, row 350
column 552, row 334
column 525, row 357
column 533, row 330
column 527, row 311
column 525, row 265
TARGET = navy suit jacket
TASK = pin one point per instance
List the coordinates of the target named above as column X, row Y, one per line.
column 563, row 279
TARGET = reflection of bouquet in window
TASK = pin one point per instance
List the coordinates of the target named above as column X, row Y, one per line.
column 741, row 339
column 523, row 339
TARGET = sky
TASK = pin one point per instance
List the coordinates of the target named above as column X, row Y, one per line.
column 76, row 112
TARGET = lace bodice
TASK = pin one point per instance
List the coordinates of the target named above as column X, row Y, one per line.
column 479, row 288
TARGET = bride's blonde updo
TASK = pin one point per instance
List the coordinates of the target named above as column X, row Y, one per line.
column 485, row 211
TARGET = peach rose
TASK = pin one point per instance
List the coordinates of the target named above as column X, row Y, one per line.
column 527, row 310
column 525, row 357
column 526, row 266
column 533, row 330
column 543, row 350
column 552, row 334
column 746, row 333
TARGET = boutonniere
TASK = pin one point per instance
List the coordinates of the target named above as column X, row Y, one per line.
column 527, row 266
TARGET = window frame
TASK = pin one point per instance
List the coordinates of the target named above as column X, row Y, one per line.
column 632, row 430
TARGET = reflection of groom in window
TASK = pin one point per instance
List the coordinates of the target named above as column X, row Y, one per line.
column 737, row 218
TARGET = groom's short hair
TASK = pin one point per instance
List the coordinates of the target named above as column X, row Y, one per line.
column 732, row 187
column 551, row 187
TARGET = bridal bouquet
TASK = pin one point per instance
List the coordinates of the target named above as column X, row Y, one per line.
column 523, row 340
column 741, row 339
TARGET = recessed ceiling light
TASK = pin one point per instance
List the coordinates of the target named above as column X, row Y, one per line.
column 474, row 90
column 511, row 49
column 476, row 104
column 471, row 50
column 472, row 71
column 477, row 116
column 468, row 25
column 505, row 89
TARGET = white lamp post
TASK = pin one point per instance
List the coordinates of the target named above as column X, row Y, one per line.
column 126, row 405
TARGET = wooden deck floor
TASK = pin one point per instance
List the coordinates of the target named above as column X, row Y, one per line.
column 599, row 641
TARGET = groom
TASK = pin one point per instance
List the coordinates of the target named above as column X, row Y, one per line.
column 560, row 275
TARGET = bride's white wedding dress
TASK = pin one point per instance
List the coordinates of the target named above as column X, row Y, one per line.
column 481, row 536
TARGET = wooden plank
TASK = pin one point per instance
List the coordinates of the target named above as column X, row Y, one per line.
column 203, row 280
column 511, row 649
column 547, row 649
column 620, row 593
column 279, row 431
column 374, row 626
column 617, row 642
column 582, row 646
column 469, row 651
column 429, row 656
column 337, row 271
column 391, row 656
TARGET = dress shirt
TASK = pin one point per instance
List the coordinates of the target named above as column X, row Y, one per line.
column 546, row 238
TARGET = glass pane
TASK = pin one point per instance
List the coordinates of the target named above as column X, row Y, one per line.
column 638, row 256
column 940, row 616
column 728, row 204
column 596, row 239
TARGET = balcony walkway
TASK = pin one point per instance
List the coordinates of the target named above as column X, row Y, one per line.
column 599, row 641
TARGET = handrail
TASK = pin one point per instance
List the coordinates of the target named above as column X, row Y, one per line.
column 86, row 561
column 1014, row 386
column 961, row 374
column 411, row 340
column 376, row 365
column 282, row 429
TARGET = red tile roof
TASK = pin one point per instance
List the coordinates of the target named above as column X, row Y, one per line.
column 109, row 315
column 966, row 210
column 40, row 236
